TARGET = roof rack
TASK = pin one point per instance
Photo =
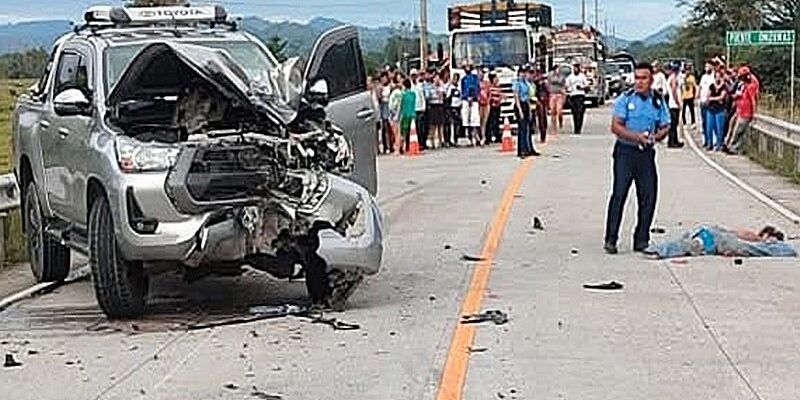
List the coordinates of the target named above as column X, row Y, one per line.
column 106, row 17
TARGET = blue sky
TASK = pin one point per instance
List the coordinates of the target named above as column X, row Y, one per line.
column 634, row 19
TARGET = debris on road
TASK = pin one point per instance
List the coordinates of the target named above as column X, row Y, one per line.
column 679, row 261
column 432, row 297
column 574, row 251
column 496, row 316
column 11, row 362
column 469, row 258
column 231, row 386
column 258, row 394
column 738, row 261
column 447, row 247
column 537, row 224
column 613, row 285
column 478, row 349
column 483, row 182
column 658, row 230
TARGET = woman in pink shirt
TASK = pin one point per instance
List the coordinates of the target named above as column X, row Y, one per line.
column 483, row 104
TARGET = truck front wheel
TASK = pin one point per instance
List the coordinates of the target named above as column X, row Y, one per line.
column 120, row 285
column 50, row 260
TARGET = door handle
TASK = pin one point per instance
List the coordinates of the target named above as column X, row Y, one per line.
column 364, row 114
column 63, row 132
column 44, row 124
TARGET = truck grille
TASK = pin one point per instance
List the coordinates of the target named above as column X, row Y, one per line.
column 230, row 172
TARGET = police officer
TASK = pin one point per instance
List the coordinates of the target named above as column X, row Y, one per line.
column 641, row 118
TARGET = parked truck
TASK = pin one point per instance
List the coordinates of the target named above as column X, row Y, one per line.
column 498, row 36
column 583, row 44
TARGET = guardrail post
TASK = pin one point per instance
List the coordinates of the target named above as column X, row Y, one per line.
column 3, row 239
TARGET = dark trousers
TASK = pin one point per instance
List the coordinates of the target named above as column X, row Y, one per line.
column 532, row 128
column 523, row 134
column 386, row 135
column 453, row 130
column 688, row 104
column 632, row 165
column 493, row 126
column 578, row 109
column 674, row 115
column 422, row 129
column 541, row 113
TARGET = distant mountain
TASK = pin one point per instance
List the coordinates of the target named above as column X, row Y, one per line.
column 27, row 35
column 300, row 37
column 617, row 43
column 664, row 35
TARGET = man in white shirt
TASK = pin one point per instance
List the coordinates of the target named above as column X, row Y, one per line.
column 660, row 80
column 706, row 81
column 576, row 96
column 417, row 80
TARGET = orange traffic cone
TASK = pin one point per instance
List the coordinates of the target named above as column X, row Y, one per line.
column 413, row 142
column 508, row 144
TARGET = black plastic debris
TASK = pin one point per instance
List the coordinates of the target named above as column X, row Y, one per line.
column 613, row 285
column 658, row 230
column 258, row 394
column 496, row 316
column 231, row 386
column 574, row 251
column 478, row 349
column 738, row 261
column 432, row 297
column 483, row 182
column 469, row 258
column 537, row 224
column 11, row 362
column 336, row 324
column 447, row 247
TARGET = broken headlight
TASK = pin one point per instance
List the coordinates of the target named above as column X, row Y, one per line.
column 136, row 156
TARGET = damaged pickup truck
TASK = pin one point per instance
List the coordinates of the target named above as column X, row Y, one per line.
column 185, row 143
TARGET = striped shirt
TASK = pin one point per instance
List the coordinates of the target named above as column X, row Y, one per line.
column 495, row 95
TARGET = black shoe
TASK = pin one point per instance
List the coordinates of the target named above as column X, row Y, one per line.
column 639, row 248
column 534, row 153
column 610, row 248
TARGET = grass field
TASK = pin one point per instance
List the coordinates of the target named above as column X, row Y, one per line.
column 771, row 105
column 14, row 241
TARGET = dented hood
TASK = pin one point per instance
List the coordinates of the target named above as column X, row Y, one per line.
column 263, row 97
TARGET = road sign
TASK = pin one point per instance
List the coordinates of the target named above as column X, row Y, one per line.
column 760, row 38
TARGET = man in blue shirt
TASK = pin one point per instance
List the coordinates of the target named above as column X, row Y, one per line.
column 640, row 119
column 470, row 111
column 522, row 92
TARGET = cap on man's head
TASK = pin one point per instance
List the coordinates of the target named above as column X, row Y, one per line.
column 414, row 71
column 523, row 68
column 744, row 71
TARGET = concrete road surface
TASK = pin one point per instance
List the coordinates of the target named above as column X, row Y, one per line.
column 705, row 329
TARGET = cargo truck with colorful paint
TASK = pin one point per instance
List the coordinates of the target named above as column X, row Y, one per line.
column 582, row 44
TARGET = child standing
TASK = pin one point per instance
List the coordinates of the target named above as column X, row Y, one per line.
column 408, row 113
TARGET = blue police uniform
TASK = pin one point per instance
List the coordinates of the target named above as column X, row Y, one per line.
column 522, row 88
column 635, row 164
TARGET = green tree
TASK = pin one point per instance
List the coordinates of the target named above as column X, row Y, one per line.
column 277, row 46
column 27, row 64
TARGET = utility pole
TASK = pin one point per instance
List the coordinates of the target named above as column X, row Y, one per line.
column 583, row 12
column 423, row 34
column 596, row 15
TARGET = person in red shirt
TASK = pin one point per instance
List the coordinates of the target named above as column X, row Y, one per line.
column 745, row 97
column 483, row 107
column 495, row 100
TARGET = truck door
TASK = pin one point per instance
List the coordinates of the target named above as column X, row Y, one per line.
column 337, row 59
column 66, row 136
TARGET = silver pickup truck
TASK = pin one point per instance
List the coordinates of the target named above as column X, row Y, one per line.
column 166, row 136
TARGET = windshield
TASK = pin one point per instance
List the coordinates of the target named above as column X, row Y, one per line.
column 248, row 55
column 490, row 48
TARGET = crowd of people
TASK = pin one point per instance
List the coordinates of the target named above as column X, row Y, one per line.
column 446, row 108
column 727, row 98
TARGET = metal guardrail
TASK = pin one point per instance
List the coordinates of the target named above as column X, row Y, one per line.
column 9, row 193
column 778, row 129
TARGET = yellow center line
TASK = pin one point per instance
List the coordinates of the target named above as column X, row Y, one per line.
column 455, row 368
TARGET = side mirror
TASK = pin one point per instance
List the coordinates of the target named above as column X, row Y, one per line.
column 318, row 92
column 72, row 102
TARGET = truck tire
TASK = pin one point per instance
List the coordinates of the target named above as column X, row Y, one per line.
column 50, row 260
column 119, row 285
column 329, row 289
